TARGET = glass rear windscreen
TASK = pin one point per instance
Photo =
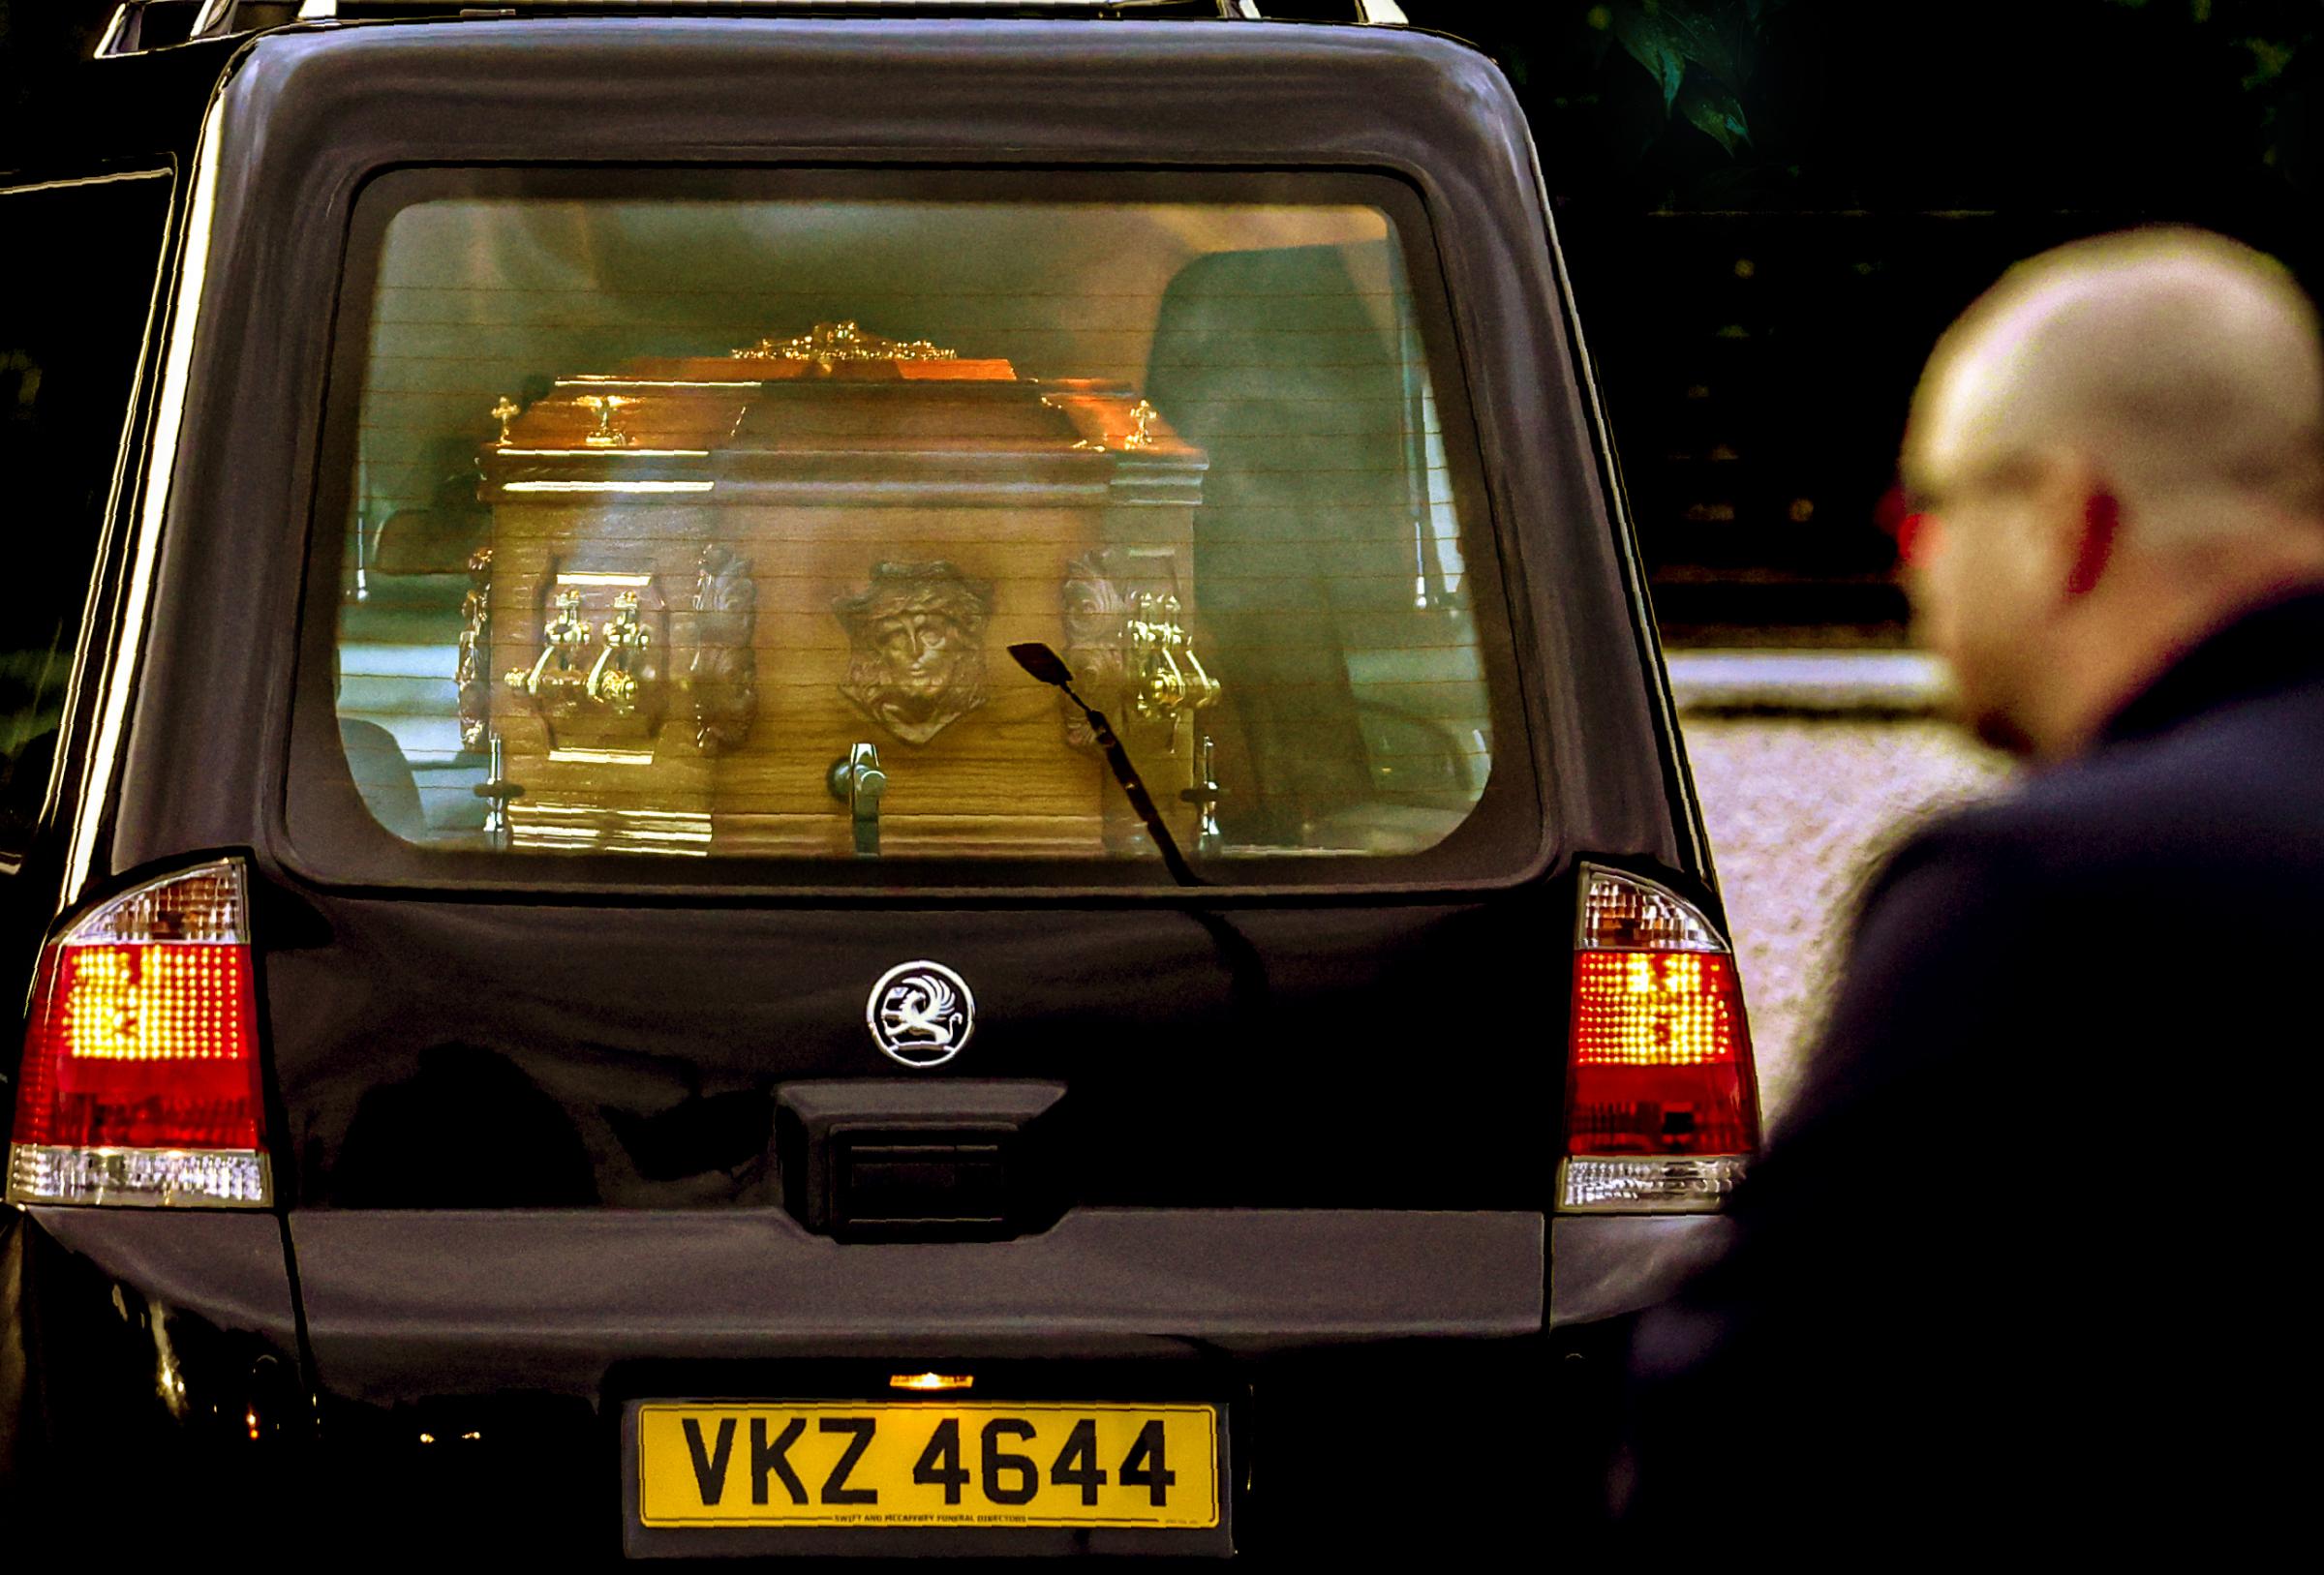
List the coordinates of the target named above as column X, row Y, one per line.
column 726, row 527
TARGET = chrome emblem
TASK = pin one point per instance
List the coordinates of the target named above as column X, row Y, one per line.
column 920, row 1013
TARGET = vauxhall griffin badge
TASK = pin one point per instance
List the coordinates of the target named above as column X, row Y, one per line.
column 920, row 1013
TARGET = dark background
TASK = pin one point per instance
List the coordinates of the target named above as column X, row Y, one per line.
column 1771, row 207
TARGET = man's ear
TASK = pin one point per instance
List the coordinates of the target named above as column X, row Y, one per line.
column 2093, row 543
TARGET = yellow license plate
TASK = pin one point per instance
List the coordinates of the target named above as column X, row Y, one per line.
column 902, row 1463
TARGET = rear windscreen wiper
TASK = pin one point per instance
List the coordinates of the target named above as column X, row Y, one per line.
column 1050, row 668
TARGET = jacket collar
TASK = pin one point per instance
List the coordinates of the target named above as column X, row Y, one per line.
column 2276, row 645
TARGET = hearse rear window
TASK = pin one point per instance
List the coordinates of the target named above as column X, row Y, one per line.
column 695, row 517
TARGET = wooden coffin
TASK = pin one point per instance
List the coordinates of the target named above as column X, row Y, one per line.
column 718, row 587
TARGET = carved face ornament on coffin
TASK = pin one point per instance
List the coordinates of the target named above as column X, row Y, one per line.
column 918, row 637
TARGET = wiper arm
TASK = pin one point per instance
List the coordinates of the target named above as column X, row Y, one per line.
column 1050, row 668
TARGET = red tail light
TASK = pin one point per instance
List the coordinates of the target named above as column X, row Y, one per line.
column 140, row 1075
column 1661, row 1110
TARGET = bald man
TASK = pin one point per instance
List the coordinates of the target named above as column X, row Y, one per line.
column 2023, row 1272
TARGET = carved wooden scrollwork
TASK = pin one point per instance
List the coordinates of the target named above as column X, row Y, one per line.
column 726, row 666
column 1128, row 643
column 473, row 673
column 1096, row 610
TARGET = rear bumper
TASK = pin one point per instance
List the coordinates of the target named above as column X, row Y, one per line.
column 404, row 1305
column 1610, row 1265
column 457, row 1361
column 516, row 1342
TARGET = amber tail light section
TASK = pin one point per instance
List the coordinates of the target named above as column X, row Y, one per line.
column 1662, row 1106
column 140, row 1081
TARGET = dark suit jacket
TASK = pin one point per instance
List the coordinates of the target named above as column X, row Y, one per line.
column 2022, row 1266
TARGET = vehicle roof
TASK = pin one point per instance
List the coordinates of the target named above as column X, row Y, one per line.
column 137, row 95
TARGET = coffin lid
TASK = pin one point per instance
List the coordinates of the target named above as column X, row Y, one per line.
column 837, row 416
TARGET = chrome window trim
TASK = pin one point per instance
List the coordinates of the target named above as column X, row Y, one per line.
column 68, row 182
column 111, row 39
column 137, row 592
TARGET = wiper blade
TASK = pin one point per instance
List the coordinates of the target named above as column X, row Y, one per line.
column 1050, row 668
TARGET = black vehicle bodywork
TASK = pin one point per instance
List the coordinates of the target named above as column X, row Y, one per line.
column 1309, row 1170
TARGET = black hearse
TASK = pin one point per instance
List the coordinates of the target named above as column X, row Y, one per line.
column 826, row 783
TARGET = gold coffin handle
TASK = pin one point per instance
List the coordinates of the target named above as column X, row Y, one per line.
column 611, row 682
column 562, row 639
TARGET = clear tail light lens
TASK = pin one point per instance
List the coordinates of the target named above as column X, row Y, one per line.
column 1662, row 1109
column 140, row 1081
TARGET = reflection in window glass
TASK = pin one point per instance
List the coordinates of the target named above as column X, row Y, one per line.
column 715, row 517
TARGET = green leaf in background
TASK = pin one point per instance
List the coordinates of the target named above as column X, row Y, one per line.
column 1651, row 46
column 2267, row 60
column 1696, row 37
column 1669, row 36
column 1714, row 111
